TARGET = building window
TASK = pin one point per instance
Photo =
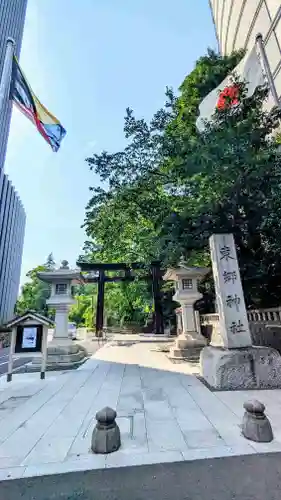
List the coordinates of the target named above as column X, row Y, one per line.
column 61, row 289
column 187, row 284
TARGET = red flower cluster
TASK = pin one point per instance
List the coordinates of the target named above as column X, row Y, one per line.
column 228, row 97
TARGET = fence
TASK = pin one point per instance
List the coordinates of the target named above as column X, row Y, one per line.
column 264, row 324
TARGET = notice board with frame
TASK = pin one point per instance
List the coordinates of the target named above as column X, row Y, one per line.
column 29, row 338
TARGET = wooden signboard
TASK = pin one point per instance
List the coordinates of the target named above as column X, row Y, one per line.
column 29, row 339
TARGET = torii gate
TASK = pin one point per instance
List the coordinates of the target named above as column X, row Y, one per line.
column 100, row 268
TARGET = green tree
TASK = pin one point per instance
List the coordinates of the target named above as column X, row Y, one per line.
column 50, row 263
column 79, row 311
column 128, row 302
column 125, row 222
column 235, row 187
column 82, row 313
column 35, row 292
column 171, row 187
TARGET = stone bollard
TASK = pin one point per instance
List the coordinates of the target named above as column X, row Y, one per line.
column 106, row 434
column 255, row 424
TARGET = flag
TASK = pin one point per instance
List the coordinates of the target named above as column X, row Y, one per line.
column 250, row 70
column 24, row 98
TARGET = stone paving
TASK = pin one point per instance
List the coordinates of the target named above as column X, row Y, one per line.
column 165, row 414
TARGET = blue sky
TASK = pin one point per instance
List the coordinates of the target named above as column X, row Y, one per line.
column 87, row 61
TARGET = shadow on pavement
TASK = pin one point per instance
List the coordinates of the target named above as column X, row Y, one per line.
column 252, row 477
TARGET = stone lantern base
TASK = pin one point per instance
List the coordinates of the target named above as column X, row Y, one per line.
column 186, row 343
column 63, row 357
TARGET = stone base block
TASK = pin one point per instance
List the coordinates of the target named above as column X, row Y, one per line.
column 63, row 357
column 185, row 354
column 185, row 344
column 244, row 368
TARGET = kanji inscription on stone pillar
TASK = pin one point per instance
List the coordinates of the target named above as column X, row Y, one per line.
column 234, row 326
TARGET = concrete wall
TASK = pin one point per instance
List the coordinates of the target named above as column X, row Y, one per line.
column 237, row 23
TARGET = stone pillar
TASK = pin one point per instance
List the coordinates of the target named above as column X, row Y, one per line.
column 179, row 320
column 233, row 320
column 188, row 318
column 236, row 363
column 61, row 325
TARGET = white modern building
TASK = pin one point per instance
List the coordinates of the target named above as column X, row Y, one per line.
column 237, row 22
column 12, row 215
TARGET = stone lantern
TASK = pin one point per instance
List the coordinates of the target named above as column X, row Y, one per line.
column 186, row 283
column 62, row 351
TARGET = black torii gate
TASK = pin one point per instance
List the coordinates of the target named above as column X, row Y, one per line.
column 155, row 275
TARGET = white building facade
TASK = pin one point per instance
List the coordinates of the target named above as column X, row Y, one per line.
column 237, row 22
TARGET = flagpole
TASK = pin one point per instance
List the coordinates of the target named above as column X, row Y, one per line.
column 264, row 58
column 7, row 71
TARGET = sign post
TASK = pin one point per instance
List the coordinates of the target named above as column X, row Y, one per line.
column 11, row 352
column 29, row 339
column 235, row 363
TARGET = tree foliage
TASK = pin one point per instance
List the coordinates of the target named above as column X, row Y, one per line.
column 35, row 292
column 236, row 189
column 124, row 221
column 171, row 187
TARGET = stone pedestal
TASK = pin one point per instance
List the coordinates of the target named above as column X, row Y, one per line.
column 62, row 352
column 65, row 357
column 186, row 343
column 190, row 338
column 245, row 368
column 62, row 357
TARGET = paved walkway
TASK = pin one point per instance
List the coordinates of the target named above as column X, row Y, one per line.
column 165, row 414
column 4, row 359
